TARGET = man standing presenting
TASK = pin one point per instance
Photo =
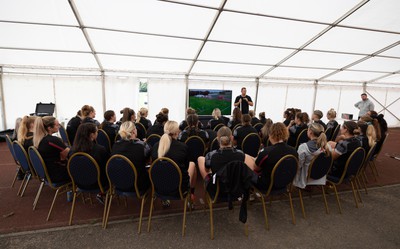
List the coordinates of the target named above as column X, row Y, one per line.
column 364, row 105
column 243, row 101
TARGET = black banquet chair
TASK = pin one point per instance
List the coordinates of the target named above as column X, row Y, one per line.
column 153, row 139
column 251, row 144
column 11, row 149
column 122, row 177
column 26, row 166
column 166, row 184
column 196, row 148
column 103, row 140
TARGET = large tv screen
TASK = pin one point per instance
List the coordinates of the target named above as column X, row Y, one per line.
column 204, row 101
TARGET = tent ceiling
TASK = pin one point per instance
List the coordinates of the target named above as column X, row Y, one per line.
column 343, row 40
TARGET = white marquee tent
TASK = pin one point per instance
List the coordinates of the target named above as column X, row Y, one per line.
column 309, row 54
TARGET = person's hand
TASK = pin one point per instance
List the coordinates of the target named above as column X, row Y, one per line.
column 246, row 99
column 240, row 100
column 291, row 123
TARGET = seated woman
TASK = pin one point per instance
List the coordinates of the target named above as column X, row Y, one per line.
column 183, row 125
column 170, row 147
column 25, row 131
column 254, row 119
column 269, row 156
column 88, row 115
column 375, row 123
column 128, row 114
column 264, row 132
column 193, row 130
column 236, row 118
column 52, row 149
column 158, row 127
column 289, row 115
column 307, row 151
column 108, row 125
column 342, row 150
column 217, row 159
column 73, row 125
column 262, row 118
column 135, row 150
column 142, row 115
column 85, row 142
column 332, row 123
column 316, row 118
column 216, row 120
column 296, row 126
column 367, row 135
column 164, row 111
column 240, row 133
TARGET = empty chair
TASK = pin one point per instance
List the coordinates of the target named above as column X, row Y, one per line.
column 26, row 167
column 166, row 184
column 196, row 148
column 328, row 133
column 214, row 144
column 282, row 177
column 301, row 138
column 361, row 176
column 43, row 175
column 375, row 155
column 141, row 131
column 11, row 149
column 123, row 180
column 153, row 139
column 353, row 164
column 258, row 127
column 335, row 133
column 85, row 175
column 218, row 126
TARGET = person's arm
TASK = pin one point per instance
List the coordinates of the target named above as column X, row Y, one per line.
column 357, row 105
column 371, row 106
column 238, row 100
column 248, row 99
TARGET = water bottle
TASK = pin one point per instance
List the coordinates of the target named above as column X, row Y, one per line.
column 69, row 196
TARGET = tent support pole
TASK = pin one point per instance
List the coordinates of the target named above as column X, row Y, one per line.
column 187, row 94
column 315, row 95
column 3, row 108
column 255, row 102
column 103, row 91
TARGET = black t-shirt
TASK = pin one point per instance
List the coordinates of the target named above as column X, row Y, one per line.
column 145, row 122
column 178, row 152
column 321, row 123
column 185, row 134
column 50, row 148
column 233, row 123
column 214, row 122
column 111, row 130
column 254, row 121
column 294, row 132
column 244, row 106
column 344, row 148
column 240, row 133
column 29, row 141
column 155, row 129
column 273, row 154
column 217, row 159
column 184, row 124
column 138, row 153
column 72, row 127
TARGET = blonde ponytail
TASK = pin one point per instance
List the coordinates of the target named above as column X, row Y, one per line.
column 125, row 131
column 322, row 142
column 170, row 128
column 371, row 135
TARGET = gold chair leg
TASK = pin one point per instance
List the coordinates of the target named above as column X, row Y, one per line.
column 28, row 178
column 337, row 198
column 326, row 203
column 21, row 186
column 184, row 214
column 246, row 229
column 126, row 202
column 364, row 180
column 354, row 193
column 105, row 211
column 358, row 186
column 292, row 209
column 141, row 213
column 90, row 199
column 150, row 213
column 265, row 212
column 38, row 195
column 302, row 204
column 15, row 178
column 72, row 209
column 52, row 204
column 210, row 205
column 83, row 198
column 108, row 210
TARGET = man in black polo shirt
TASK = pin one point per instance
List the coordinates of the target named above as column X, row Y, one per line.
column 243, row 101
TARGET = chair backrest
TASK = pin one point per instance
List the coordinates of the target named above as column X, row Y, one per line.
column 10, row 148
column 378, row 149
column 84, row 171
column 104, row 140
column 141, row 131
column 218, row 126
column 335, row 133
column 283, row 173
column 39, row 165
column 301, row 138
column 64, row 135
column 22, row 158
column 353, row 164
column 251, row 144
column 328, row 133
column 258, row 126
column 122, row 174
column 370, row 153
column 320, row 166
column 166, row 178
column 214, row 144
column 196, row 148
column 236, row 126
column 153, row 139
